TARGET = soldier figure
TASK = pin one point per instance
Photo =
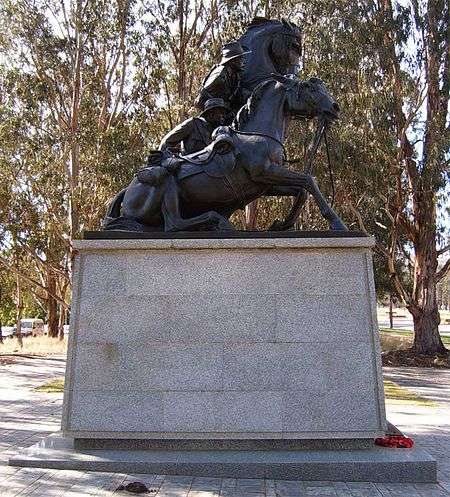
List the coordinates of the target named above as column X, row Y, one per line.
column 194, row 134
column 223, row 81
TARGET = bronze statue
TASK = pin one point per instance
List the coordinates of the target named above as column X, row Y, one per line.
column 200, row 190
column 195, row 133
column 207, row 187
column 223, row 81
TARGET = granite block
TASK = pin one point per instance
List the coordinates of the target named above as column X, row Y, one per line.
column 258, row 411
column 103, row 274
column 232, row 272
column 190, row 411
column 222, row 444
column 115, row 411
column 254, row 366
column 123, row 319
column 322, row 318
column 339, row 410
column 98, row 367
column 170, row 318
column 327, row 367
column 149, row 366
column 319, row 367
column 222, row 411
column 377, row 464
column 198, row 242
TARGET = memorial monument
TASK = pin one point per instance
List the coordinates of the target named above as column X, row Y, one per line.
column 198, row 349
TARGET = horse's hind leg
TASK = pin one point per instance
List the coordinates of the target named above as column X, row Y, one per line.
column 174, row 222
column 297, row 206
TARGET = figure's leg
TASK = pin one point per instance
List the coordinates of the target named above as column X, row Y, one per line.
column 273, row 174
column 174, row 222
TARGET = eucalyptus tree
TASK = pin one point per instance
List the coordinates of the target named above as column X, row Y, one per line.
column 388, row 64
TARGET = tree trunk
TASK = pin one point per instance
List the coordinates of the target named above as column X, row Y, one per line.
column 19, row 309
column 74, row 218
column 251, row 214
column 427, row 340
column 52, row 305
column 391, row 314
column 62, row 322
column 424, row 307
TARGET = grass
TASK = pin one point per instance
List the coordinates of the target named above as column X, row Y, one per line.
column 394, row 339
column 38, row 346
column 395, row 394
column 53, row 386
column 401, row 312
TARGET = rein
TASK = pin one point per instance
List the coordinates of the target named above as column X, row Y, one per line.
column 264, row 135
column 321, row 132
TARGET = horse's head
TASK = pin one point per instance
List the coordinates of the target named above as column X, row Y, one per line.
column 286, row 47
column 308, row 98
column 275, row 47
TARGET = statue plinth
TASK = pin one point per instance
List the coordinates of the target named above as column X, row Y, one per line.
column 237, row 358
column 224, row 339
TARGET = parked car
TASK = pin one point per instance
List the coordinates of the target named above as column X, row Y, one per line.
column 31, row 327
column 8, row 331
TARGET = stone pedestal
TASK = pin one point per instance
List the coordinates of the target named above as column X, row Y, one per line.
column 250, row 358
column 224, row 339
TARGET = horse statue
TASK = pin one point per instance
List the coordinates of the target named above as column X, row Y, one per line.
column 202, row 190
column 275, row 47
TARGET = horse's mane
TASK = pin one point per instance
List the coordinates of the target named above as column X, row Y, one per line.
column 250, row 106
column 259, row 22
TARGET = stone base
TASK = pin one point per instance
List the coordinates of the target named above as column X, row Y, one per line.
column 224, row 339
column 174, row 444
column 377, row 464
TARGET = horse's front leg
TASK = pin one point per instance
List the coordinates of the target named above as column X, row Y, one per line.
column 273, row 174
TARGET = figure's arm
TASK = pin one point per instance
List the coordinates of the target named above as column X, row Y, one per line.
column 173, row 138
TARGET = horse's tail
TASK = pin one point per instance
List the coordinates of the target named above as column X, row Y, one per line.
column 113, row 211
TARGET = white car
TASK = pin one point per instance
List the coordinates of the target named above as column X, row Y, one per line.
column 32, row 327
column 8, row 331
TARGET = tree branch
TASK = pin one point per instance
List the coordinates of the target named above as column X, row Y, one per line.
column 443, row 271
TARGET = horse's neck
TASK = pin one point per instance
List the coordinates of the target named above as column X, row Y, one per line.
column 269, row 116
column 258, row 66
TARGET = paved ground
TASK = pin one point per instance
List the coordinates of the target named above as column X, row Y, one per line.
column 26, row 416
